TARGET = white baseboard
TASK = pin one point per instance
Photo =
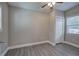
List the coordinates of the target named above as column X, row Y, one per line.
column 5, row 52
column 75, row 45
column 29, row 44
column 25, row 45
column 53, row 44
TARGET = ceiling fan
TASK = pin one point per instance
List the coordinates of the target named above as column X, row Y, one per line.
column 51, row 4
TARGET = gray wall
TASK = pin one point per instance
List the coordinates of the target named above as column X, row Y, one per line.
column 4, row 32
column 27, row 26
column 52, row 27
column 72, row 38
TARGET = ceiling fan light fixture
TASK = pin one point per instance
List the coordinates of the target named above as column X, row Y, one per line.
column 53, row 3
column 49, row 4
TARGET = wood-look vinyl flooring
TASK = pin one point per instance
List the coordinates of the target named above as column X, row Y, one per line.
column 45, row 50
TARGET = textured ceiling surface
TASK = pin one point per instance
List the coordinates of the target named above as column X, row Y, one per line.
column 36, row 6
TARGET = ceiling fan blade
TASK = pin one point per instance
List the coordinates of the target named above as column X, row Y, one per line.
column 43, row 6
column 59, row 2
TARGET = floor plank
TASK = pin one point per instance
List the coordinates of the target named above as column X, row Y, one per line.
column 45, row 50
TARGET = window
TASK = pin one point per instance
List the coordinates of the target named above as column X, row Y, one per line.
column 73, row 25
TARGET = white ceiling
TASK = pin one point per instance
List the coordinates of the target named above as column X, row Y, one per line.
column 66, row 6
column 36, row 6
